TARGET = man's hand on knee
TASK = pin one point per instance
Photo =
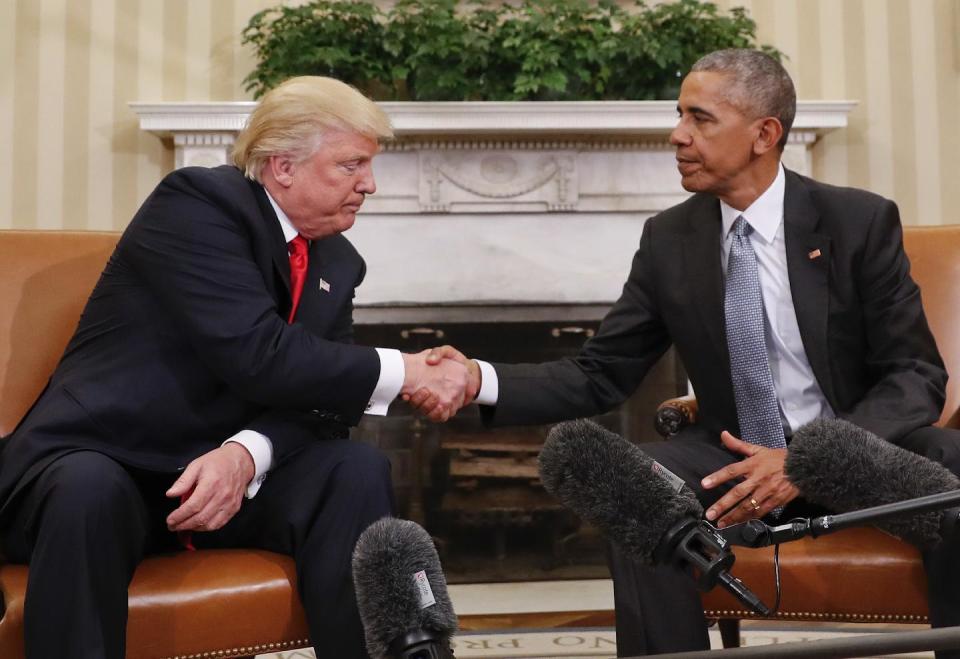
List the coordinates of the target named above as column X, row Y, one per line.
column 214, row 484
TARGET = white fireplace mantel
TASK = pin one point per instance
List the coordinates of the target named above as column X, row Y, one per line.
column 500, row 202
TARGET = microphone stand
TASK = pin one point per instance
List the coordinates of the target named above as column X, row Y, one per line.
column 756, row 533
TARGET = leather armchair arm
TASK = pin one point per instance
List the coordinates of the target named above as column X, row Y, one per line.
column 674, row 414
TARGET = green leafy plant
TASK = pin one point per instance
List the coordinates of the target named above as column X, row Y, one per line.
column 448, row 50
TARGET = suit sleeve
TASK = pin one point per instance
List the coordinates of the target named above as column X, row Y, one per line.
column 609, row 367
column 291, row 430
column 909, row 380
column 197, row 258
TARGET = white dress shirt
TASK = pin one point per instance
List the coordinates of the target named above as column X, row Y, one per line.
column 388, row 387
column 798, row 393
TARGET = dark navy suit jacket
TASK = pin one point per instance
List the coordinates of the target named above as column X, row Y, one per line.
column 184, row 340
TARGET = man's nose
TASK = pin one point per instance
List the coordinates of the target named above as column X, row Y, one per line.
column 367, row 184
column 679, row 136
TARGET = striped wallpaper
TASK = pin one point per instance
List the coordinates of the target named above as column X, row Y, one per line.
column 76, row 159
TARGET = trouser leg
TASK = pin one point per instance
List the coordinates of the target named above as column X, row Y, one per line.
column 942, row 563
column 82, row 526
column 314, row 507
column 658, row 608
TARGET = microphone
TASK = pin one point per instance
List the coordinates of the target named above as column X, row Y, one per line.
column 845, row 468
column 402, row 593
column 647, row 510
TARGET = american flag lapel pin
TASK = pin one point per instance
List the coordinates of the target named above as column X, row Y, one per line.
column 324, row 285
column 815, row 254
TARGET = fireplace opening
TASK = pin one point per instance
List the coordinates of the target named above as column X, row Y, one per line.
column 477, row 490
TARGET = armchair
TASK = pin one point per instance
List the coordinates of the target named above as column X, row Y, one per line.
column 213, row 603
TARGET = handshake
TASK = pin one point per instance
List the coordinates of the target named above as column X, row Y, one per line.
column 439, row 381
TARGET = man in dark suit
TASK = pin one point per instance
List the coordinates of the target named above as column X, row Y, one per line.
column 786, row 299
column 217, row 347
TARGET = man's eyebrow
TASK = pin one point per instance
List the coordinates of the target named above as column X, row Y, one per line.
column 695, row 109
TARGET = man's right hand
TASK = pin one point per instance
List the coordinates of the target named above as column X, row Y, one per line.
column 445, row 382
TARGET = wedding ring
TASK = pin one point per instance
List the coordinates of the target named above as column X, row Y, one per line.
column 753, row 502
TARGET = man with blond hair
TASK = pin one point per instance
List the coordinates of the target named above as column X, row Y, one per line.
column 206, row 397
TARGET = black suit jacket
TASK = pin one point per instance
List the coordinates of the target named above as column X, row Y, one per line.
column 859, row 314
column 184, row 341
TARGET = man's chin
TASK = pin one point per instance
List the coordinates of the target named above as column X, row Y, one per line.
column 691, row 183
column 347, row 221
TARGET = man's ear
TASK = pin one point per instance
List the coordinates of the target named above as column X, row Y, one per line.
column 281, row 168
column 771, row 130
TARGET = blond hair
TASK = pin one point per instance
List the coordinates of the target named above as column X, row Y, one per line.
column 292, row 117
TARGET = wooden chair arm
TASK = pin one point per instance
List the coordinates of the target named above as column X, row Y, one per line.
column 674, row 414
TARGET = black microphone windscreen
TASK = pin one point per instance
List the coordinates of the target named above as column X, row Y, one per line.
column 612, row 484
column 399, row 584
column 843, row 467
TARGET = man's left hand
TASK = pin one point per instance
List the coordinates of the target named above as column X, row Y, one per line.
column 763, row 488
column 216, row 482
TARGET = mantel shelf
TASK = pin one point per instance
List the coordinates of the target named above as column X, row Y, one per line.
column 624, row 118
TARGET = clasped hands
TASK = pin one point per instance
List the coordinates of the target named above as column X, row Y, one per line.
column 439, row 381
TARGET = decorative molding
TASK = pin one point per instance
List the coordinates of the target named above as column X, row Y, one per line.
column 519, row 179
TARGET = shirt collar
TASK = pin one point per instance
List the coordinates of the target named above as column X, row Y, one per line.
column 765, row 214
column 289, row 231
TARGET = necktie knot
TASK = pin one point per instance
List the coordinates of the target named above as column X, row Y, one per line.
column 297, row 247
column 741, row 228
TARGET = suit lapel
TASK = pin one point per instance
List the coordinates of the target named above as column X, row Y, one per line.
column 324, row 288
column 808, row 267
column 277, row 246
column 702, row 262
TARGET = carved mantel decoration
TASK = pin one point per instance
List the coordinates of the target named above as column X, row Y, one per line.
column 501, row 202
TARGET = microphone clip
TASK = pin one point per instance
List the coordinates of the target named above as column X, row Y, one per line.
column 696, row 545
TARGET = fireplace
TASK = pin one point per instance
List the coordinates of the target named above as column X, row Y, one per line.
column 507, row 230
column 477, row 490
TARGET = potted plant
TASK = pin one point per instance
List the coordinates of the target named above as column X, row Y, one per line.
column 533, row 50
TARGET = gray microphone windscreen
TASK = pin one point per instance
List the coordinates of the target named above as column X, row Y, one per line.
column 399, row 584
column 612, row 484
column 843, row 467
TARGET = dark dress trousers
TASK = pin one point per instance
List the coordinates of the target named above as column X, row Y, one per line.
column 862, row 328
column 183, row 343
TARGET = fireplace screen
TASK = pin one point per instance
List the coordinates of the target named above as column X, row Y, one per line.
column 477, row 490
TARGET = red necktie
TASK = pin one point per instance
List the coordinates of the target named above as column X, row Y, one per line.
column 298, row 272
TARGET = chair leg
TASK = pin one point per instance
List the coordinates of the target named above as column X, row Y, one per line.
column 729, row 632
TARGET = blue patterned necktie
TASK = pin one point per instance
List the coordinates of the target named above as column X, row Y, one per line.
column 757, row 409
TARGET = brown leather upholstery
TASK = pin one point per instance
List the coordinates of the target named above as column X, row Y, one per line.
column 228, row 603
column 858, row 575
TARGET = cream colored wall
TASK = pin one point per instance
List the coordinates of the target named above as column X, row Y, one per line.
column 76, row 159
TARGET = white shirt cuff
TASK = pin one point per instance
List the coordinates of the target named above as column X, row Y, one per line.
column 489, row 385
column 390, row 382
column 261, row 450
